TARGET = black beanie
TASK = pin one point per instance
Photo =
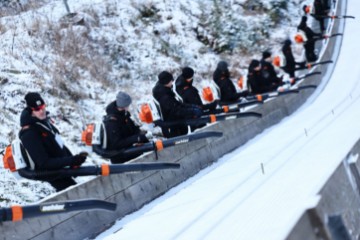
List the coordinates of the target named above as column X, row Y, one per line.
column 254, row 64
column 165, row 77
column 187, row 72
column 287, row 42
column 33, row 100
column 266, row 54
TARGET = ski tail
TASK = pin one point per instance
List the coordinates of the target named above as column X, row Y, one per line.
column 311, row 86
column 265, row 96
column 307, row 75
column 333, row 16
column 161, row 144
column 103, row 170
column 141, row 167
column 240, row 104
column 335, row 35
column 211, row 118
column 310, row 65
column 18, row 213
column 249, row 103
column 341, row 17
column 292, row 81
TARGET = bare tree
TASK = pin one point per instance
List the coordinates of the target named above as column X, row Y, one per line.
column 66, row 6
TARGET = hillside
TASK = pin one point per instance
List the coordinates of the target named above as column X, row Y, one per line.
column 79, row 61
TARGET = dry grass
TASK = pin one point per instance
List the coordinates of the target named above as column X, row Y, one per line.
column 14, row 7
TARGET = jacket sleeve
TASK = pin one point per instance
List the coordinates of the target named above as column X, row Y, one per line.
column 31, row 140
column 228, row 91
column 116, row 140
column 176, row 109
column 127, row 142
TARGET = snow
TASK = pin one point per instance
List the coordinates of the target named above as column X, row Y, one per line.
column 260, row 190
column 80, row 68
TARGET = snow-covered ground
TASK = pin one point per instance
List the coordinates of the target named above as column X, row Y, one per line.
column 120, row 45
column 260, row 190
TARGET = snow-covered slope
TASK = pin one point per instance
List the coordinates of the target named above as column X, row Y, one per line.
column 119, row 45
column 260, row 190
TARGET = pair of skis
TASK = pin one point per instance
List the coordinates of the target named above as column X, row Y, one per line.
column 18, row 213
column 103, row 170
column 333, row 16
column 157, row 145
column 311, row 65
column 293, row 81
column 274, row 94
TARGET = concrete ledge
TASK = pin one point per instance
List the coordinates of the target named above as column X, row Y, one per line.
column 132, row 190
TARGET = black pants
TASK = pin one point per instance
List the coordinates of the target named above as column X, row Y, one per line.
column 122, row 158
column 175, row 131
column 62, row 183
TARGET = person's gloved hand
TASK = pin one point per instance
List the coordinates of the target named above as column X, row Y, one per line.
column 213, row 105
column 197, row 111
column 142, row 138
column 149, row 135
column 79, row 159
column 245, row 93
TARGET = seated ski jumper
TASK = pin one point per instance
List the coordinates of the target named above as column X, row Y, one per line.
column 257, row 84
column 43, row 144
column 221, row 77
column 190, row 95
column 320, row 11
column 171, row 109
column 312, row 37
column 269, row 74
column 291, row 64
column 121, row 131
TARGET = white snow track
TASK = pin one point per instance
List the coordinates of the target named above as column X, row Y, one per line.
column 261, row 190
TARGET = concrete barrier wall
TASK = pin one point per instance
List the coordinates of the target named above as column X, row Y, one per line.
column 132, row 190
column 340, row 199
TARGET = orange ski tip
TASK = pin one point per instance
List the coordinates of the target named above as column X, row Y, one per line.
column 212, row 118
column 309, row 66
column 292, row 80
column 225, row 109
column 308, row 9
column 159, row 145
column 105, row 169
column 17, row 213
column 259, row 97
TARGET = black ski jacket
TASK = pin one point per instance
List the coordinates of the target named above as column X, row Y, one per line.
column 290, row 60
column 269, row 75
column 121, row 131
column 257, row 83
column 190, row 94
column 172, row 110
column 39, row 139
column 221, row 77
column 309, row 45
